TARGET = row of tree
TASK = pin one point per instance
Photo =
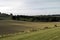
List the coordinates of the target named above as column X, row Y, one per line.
column 38, row 18
column 41, row 18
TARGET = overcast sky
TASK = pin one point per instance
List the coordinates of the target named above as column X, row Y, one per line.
column 30, row 7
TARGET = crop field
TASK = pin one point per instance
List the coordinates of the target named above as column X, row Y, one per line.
column 29, row 30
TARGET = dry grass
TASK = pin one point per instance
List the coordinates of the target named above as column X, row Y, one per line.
column 10, row 26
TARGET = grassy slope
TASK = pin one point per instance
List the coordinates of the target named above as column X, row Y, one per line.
column 48, row 34
column 10, row 26
column 14, row 26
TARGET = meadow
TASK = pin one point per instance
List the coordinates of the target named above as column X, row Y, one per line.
column 22, row 30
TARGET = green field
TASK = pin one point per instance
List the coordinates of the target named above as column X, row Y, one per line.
column 20, row 30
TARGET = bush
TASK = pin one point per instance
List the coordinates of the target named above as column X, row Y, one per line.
column 46, row 27
column 55, row 26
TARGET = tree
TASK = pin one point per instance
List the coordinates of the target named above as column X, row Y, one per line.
column 11, row 14
column 0, row 12
column 18, row 17
column 14, row 17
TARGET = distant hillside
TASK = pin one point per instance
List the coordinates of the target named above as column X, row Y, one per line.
column 4, row 16
column 36, row 18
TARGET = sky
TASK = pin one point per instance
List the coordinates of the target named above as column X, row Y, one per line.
column 30, row 7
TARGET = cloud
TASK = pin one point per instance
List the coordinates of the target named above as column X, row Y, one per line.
column 30, row 7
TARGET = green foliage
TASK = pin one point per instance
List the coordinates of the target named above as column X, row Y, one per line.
column 41, row 18
column 4, row 16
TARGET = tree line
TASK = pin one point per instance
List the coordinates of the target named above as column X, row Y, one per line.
column 38, row 18
column 41, row 18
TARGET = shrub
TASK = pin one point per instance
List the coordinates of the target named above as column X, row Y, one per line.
column 46, row 27
column 55, row 26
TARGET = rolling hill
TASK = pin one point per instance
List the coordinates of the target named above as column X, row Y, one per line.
column 22, row 30
column 49, row 34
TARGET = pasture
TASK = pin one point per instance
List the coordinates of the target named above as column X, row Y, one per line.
column 25, row 29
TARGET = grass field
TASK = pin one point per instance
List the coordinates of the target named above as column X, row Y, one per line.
column 23, row 30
